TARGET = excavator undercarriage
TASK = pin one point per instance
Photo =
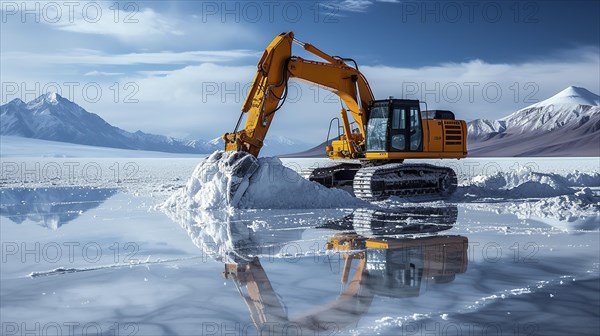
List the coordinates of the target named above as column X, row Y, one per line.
column 378, row 182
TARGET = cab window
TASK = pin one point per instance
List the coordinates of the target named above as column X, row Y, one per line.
column 416, row 131
column 377, row 129
column 398, row 134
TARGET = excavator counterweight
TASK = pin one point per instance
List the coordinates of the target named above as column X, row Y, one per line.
column 386, row 132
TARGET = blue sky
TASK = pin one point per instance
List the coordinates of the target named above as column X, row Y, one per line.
column 181, row 68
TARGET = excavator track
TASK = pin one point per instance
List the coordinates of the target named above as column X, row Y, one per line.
column 381, row 182
column 403, row 180
column 339, row 175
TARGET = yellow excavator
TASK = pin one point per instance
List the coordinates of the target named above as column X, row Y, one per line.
column 386, row 132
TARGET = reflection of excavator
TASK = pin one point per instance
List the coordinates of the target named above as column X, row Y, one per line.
column 386, row 133
column 396, row 268
column 391, row 267
column 402, row 220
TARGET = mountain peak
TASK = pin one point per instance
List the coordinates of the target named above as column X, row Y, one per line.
column 572, row 95
column 16, row 101
column 573, row 91
column 51, row 98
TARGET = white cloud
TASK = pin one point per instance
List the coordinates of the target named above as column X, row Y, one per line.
column 347, row 5
column 102, row 73
column 125, row 21
column 152, row 73
column 200, row 101
column 57, row 26
column 358, row 6
column 84, row 56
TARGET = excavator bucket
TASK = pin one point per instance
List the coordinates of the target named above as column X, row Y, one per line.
column 239, row 166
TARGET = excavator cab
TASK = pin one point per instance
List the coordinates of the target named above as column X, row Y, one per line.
column 394, row 125
column 397, row 129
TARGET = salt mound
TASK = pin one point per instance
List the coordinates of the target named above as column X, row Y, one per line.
column 276, row 186
column 209, row 185
column 522, row 183
column 271, row 186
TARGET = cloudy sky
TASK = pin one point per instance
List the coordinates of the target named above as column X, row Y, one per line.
column 182, row 68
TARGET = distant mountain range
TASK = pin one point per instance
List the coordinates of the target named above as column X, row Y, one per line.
column 566, row 124
column 52, row 117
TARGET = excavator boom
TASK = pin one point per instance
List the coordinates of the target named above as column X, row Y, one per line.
column 269, row 91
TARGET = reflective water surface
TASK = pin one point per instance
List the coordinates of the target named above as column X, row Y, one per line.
column 51, row 207
column 99, row 261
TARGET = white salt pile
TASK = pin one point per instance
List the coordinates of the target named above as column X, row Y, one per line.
column 271, row 186
column 527, row 184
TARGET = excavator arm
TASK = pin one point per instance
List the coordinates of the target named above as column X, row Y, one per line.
column 269, row 90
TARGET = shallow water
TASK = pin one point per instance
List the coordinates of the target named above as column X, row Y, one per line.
column 87, row 259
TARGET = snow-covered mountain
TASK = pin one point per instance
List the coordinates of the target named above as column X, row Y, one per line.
column 52, row 117
column 566, row 124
